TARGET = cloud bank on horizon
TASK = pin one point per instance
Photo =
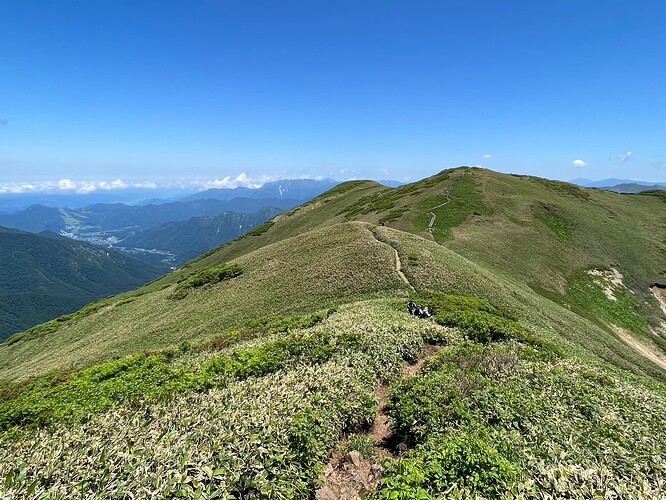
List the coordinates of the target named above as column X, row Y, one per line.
column 70, row 186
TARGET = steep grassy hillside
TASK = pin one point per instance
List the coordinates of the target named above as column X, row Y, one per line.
column 251, row 371
column 44, row 276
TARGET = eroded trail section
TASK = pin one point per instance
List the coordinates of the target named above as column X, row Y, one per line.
column 659, row 292
column 398, row 268
column 353, row 476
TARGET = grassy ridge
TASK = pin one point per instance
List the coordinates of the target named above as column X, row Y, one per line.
column 245, row 390
column 528, row 230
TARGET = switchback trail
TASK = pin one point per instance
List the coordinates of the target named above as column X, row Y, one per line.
column 448, row 200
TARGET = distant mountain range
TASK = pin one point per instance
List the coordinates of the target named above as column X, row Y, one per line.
column 620, row 185
column 13, row 202
column 297, row 189
column 291, row 189
column 186, row 240
column 43, row 276
column 635, row 188
column 170, row 233
column 77, row 222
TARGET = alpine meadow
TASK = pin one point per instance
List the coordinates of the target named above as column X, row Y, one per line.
column 285, row 364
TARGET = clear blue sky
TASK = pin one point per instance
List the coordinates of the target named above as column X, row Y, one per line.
column 365, row 89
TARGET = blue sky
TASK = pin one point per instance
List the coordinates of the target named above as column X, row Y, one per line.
column 148, row 90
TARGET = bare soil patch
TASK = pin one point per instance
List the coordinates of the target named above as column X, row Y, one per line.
column 350, row 478
column 640, row 347
column 660, row 294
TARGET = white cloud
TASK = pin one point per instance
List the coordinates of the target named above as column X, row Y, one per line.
column 487, row 156
column 146, row 185
column 624, row 157
column 84, row 187
column 242, row 180
column 66, row 185
column 87, row 187
column 578, row 163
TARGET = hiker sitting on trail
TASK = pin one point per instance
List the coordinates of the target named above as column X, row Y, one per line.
column 415, row 310
column 411, row 307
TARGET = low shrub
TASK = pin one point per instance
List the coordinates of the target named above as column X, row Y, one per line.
column 465, row 459
column 361, row 443
column 207, row 276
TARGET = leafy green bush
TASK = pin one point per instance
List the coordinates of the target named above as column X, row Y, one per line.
column 208, row 276
column 267, row 326
column 465, row 459
column 481, row 321
column 272, row 356
column 75, row 396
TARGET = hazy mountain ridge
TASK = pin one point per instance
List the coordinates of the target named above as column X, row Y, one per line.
column 604, row 183
column 635, row 188
column 117, row 225
column 117, row 216
column 292, row 189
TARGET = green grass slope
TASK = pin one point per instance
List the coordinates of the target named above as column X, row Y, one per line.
column 242, row 373
column 545, row 233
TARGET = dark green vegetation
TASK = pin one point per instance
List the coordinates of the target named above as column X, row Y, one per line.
column 207, row 276
column 554, row 221
column 189, row 239
column 620, row 310
column 44, row 276
column 242, row 389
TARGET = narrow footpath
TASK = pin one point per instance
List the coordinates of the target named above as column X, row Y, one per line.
column 448, row 200
column 398, row 262
column 353, row 476
column 398, row 268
